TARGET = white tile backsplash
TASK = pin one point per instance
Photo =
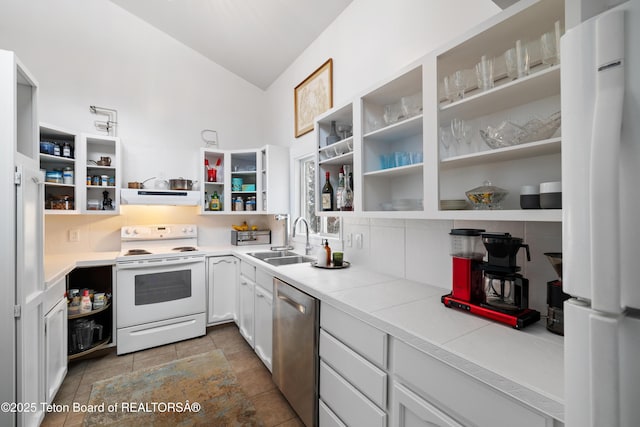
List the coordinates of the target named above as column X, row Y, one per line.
column 418, row 250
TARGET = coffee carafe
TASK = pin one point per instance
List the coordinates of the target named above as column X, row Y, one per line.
column 555, row 296
column 504, row 288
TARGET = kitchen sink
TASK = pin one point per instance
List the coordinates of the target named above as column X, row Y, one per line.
column 272, row 254
column 281, row 257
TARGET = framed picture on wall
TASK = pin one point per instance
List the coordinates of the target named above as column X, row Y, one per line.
column 312, row 97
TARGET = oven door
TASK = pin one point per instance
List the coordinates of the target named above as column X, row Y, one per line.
column 156, row 290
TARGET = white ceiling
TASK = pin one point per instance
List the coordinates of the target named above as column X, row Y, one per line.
column 255, row 39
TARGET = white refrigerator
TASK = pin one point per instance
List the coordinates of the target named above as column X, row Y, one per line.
column 601, row 206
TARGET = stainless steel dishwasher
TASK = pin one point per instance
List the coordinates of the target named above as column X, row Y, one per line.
column 295, row 349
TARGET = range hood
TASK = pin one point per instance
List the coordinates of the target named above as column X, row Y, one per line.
column 131, row 196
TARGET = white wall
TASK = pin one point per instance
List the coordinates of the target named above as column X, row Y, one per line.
column 92, row 52
column 368, row 42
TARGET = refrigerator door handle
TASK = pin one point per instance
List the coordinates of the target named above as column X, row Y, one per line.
column 605, row 371
column 604, row 198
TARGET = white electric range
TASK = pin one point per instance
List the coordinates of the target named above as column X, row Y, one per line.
column 160, row 286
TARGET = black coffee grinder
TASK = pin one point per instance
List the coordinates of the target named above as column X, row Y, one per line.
column 556, row 296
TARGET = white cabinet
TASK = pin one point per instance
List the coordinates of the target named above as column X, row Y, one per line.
column 412, row 411
column 246, row 310
column 392, row 146
column 353, row 377
column 466, row 165
column 331, row 157
column 263, row 324
column 100, row 175
column 246, row 181
column 222, row 281
column 55, row 333
column 448, row 395
column 61, row 169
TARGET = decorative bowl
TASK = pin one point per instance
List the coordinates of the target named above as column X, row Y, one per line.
column 509, row 133
column 486, row 196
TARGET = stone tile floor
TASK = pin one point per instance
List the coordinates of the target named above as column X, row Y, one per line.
column 254, row 378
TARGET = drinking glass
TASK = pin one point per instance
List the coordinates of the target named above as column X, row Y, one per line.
column 461, row 131
column 459, row 82
column 517, row 61
column 484, row 73
column 550, row 46
column 449, row 89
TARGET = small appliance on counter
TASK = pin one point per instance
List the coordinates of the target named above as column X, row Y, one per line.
column 556, row 296
column 493, row 289
column 250, row 237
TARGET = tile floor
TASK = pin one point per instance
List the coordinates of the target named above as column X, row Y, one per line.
column 254, row 378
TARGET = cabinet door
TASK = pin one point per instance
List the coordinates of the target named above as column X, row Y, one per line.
column 55, row 347
column 245, row 317
column 263, row 325
column 223, row 275
column 412, row 411
column 29, row 293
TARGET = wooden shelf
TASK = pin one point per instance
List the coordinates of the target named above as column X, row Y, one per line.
column 342, row 159
column 536, row 215
column 400, row 130
column 397, row 171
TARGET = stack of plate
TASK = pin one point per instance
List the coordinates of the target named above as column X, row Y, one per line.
column 453, row 204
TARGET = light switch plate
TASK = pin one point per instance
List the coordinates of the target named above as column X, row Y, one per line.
column 74, row 235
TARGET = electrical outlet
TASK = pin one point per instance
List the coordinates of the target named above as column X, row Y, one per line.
column 359, row 240
column 349, row 240
column 74, row 235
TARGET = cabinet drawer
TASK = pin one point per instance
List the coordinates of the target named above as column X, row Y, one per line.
column 351, row 406
column 368, row 341
column 458, row 394
column 248, row 270
column 327, row 418
column 264, row 279
column 54, row 293
column 364, row 376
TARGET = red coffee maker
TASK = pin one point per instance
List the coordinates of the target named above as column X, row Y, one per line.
column 493, row 289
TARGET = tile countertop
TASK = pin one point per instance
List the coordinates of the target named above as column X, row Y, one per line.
column 526, row 364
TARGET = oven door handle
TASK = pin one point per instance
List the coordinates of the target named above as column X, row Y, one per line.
column 128, row 265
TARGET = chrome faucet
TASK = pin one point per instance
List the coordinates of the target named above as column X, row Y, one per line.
column 307, row 248
column 286, row 246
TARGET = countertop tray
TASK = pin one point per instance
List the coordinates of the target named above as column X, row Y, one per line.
column 345, row 264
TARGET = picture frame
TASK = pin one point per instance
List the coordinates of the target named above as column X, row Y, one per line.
column 313, row 96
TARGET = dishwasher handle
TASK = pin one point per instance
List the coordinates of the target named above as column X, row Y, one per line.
column 299, row 307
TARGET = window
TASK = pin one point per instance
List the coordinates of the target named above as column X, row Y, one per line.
column 306, row 175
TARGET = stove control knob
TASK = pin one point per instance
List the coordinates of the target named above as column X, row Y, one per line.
column 134, row 231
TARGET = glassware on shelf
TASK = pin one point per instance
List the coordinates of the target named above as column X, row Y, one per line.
column 344, row 131
column 411, row 105
column 550, row 46
column 509, row 133
column 461, row 130
column 393, row 113
column 346, row 203
column 517, row 61
column 446, row 139
column 484, row 73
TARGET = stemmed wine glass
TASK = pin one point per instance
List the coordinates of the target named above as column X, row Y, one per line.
column 446, row 138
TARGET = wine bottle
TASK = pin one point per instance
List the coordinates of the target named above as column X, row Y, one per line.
column 327, row 195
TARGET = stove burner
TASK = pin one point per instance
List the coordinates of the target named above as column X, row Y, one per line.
column 184, row 249
column 137, row 252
